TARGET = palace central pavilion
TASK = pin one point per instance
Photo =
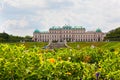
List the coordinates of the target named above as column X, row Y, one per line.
column 68, row 33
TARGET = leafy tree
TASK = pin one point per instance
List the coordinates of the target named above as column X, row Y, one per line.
column 113, row 35
column 4, row 37
column 27, row 38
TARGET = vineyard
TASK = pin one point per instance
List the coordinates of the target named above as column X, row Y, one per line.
column 80, row 62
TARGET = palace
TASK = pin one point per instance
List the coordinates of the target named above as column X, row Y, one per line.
column 68, row 33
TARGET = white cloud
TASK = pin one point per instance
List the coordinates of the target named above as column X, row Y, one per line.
column 7, row 24
column 15, row 23
column 23, row 22
column 26, row 3
column 1, row 6
column 0, row 9
column 89, row 13
column 15, row 26
column 92, row 14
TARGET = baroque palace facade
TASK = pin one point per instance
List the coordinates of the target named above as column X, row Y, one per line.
column 68, row 33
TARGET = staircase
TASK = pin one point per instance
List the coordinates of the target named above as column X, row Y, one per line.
column 57, row 45
column 52, row 45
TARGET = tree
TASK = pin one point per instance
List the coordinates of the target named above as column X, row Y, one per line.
column 113, row 35
column 4, row 37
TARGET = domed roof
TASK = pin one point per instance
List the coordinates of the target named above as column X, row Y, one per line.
column 79, row 27
column 67, row 27
column 98, row 30
column 55, row 28
column 36, row 31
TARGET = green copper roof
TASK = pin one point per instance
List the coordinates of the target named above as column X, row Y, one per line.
column 98, row 30
column 79, row 27
column 36, row 31
column 67, row 27
column 55, row 28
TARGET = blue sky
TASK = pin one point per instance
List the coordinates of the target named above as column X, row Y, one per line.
column 22, row 17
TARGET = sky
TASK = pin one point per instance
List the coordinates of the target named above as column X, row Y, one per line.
column 22, row 17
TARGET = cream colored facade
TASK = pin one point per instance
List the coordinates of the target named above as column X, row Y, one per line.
column 68, row 33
